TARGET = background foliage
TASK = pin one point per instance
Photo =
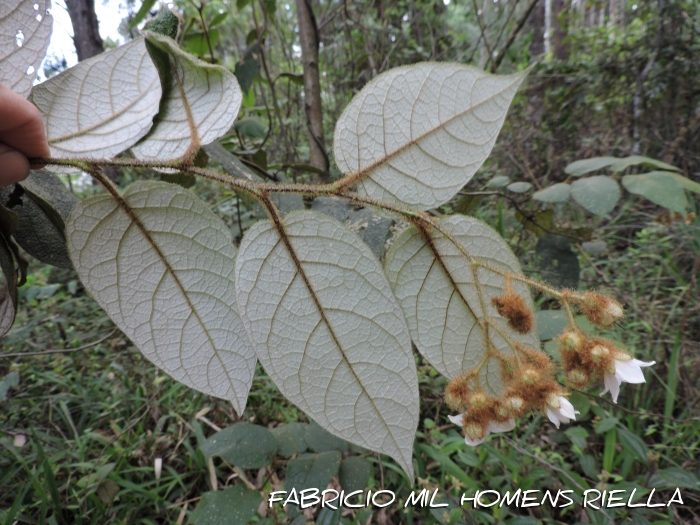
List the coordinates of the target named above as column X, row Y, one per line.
column 84, row 417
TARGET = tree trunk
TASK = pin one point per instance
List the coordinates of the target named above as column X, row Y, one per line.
column 86, row 31
column 560, row 49
column 308, row 36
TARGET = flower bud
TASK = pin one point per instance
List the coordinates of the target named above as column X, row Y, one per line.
column 601, row 310
column 599, row 353
column 514, row 403
column 578, row 377
column 553, row 400
column 530, row 376
column 478, row 400
column 514, row 308
column 571, row 340
column 474, row 430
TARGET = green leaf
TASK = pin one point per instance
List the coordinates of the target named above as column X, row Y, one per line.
column 606, row 424
column 218, row 19
column 208, row 93
column 8, row 285
column 589, row 465
column 633, row 444
column 102, row 106
column 161, row 265
column 519, row 187
column 251, row 127
column 550, row 323
column 673, row 477
column 540, row 223
column 179, row 178
column 42, row 204
column 247, row 68
column 659, row 187
column 684, row 182
column 320, row 440
column 196, row 43
column 583, row 166
column 145, row 8
column 107, row 491
column 326, row 327
column 312, row 470
column 294, row 78
column 233, row 506
column 598, row 194
column 21, row 23
column 498, row 181
column 557, row 263
column 421, row 143
column 11, row 380
column 581, row 403
column 577, row 435
column 636, row 160
column 443, row 311
column 290, row 439
column 556, row 193
column 354, row 473
column 244, row 445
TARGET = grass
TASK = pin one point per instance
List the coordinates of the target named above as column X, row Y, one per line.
column 80, row 434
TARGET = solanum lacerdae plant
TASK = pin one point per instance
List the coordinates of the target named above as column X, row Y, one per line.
column 302, row 294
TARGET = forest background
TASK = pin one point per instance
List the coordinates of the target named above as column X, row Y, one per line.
column 85, row 419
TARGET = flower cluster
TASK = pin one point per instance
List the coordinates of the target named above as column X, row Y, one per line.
column 529, row 375
column 587, row 358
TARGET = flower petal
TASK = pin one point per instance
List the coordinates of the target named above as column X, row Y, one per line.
column 506, row 426
column 629, row 371
column 612, row 385
column 457, row 420
column 475, row 442
column 553, row 416
column 566, row 408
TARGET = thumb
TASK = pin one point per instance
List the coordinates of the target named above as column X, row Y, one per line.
column 14, row 166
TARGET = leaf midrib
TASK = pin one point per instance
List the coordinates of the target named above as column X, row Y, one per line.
column 356, row 176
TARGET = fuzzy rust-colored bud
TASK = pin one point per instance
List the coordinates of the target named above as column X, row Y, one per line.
column 474, row 430
column 515, row 404
column 571, row 340
column 458, row 391
column 600, row 309
column 514, row 308
column 478, row 401
column 577, row 377
column 599, row 353
column 530, row 376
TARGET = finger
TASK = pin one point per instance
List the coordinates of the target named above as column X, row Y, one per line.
column 14, row 166
column 21, row 126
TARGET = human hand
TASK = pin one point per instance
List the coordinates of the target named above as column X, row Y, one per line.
column 22, row 136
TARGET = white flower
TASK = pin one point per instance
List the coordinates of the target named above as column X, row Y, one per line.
column 493, row 426
column 628, row 370
column 560, row 410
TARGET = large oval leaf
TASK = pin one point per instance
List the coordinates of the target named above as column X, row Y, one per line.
column 556, row 193
column 659, row 187
column 436, row 286
column 417, row 134
column 244, row 445
column 598, row 194
column 102, row 106
column 326, row 327
column 25, row 31
column 42, row 204
column 161, row 265
column 200, row 102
